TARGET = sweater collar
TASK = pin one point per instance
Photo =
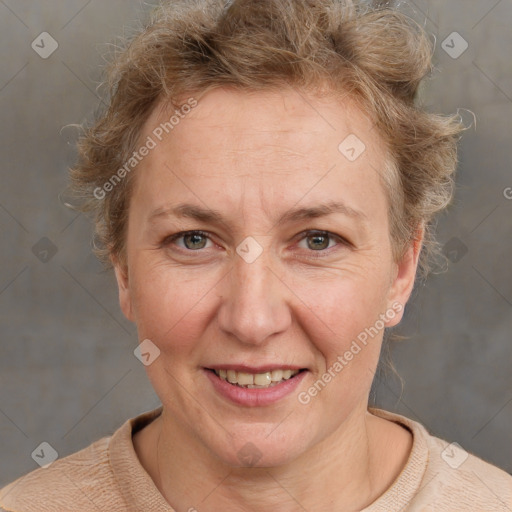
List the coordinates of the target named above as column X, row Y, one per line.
column 134, row 483
column 407, row 484
column 140, row 492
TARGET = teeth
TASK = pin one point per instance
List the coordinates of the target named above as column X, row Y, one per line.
column 277, row 375
column 263, row 379
column 245, row 378
column 256, row 380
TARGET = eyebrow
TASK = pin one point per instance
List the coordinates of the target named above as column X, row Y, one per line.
column 207, row 215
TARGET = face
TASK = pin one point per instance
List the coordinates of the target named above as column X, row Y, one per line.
column 255, row 244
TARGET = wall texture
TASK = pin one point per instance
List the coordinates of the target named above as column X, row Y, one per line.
column 67, row 371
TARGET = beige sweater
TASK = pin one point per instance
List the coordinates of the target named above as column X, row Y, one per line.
column 107, row 476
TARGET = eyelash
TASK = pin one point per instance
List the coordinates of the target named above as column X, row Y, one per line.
column 305, row 234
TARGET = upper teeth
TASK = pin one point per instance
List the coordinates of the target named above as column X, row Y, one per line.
column 256, row 379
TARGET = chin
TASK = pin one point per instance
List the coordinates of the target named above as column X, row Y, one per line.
column 259, row 450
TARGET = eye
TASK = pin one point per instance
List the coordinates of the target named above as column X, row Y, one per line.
column 192, row 240
column 320, row 241
column 316, row 241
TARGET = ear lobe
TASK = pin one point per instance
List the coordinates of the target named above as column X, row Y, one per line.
column 125, row 302
column 403, row 283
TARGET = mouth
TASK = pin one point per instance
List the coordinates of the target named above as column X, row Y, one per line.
column 250, row 386
column 256, row 380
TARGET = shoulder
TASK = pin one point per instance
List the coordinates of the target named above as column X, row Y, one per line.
column 441, row 476
column 106, row 475
column 458, row 480
column 78, row 479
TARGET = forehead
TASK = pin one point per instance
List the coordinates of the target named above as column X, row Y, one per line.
column 283, row 142
column 252, row 119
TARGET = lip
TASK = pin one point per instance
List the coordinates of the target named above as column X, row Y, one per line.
column 255, row 369
column 254, row 397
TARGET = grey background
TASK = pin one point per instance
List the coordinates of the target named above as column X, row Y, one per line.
column 68, row 375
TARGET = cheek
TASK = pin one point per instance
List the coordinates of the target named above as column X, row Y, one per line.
column 341, row 327
column 340, row 316
column 175, row 306
column 172, row 304
column 342, row 299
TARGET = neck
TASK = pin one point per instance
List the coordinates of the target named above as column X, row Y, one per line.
column 345, row 471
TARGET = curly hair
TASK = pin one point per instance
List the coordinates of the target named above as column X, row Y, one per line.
column 376, row 55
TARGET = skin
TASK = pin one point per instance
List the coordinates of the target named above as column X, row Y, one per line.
column 252, row 157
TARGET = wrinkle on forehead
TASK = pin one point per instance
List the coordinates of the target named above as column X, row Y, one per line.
column 234, row 146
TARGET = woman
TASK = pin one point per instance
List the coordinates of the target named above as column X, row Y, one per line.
column 264, row 185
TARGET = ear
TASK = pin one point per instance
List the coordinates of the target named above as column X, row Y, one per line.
column 403, row 279
column 122, row 277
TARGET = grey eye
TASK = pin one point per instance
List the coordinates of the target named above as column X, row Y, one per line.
column 194, row 241
column 318, row 241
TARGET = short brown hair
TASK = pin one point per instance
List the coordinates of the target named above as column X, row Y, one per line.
column 376, row 55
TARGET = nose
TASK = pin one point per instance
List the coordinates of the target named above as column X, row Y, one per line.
column 255, row 302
